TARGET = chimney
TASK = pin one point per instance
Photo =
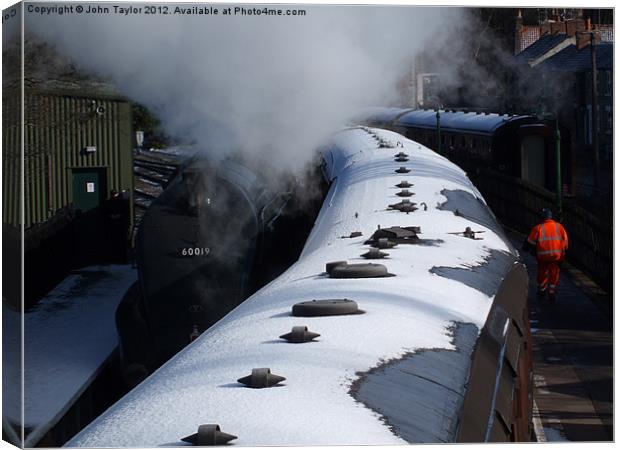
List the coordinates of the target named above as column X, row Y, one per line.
column 583, row 40
column 585, row 37
column 573, row 26
column 557, row 27
column 518, row 32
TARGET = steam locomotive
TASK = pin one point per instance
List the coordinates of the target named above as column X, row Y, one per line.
column 403, row 320
column 212, row 238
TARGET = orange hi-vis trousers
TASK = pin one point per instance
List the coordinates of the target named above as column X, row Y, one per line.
column 551, row 242
column 548, row 275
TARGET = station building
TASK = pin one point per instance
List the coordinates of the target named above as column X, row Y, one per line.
column 560, row 57
column 60, row 166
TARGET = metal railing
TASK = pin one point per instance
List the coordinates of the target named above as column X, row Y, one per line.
column 518, row 204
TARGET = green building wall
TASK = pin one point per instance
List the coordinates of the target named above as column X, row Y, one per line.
column 58, row 127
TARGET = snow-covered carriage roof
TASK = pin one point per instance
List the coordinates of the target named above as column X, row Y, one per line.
column 327, row 397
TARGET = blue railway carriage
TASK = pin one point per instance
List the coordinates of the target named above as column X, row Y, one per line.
column 516, row 145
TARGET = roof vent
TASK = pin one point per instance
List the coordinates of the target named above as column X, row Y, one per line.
column 385, row 144
column 331, row 307
column 383, row 243
column 396, row 234
column 331, row 265
column 401, row 159
column 209, row 434
column 403, row 206
column 405, row 193
column 299, row 335
column 468, row 233
column 261, row 378
column 402, row 169
column 364, row 270
column 375, row 253
column 404, row 184
column 400, row 155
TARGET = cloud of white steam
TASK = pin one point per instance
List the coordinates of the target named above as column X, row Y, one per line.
column 271, row 87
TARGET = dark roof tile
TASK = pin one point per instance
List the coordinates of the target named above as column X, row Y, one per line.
column 572, row 60
column 541, row 46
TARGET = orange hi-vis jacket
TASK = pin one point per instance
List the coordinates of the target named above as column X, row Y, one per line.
column 550, row 239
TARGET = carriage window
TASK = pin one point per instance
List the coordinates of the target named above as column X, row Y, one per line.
column 608, row 83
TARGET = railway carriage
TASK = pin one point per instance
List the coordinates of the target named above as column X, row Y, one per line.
column 518, row 145
column 395, row 325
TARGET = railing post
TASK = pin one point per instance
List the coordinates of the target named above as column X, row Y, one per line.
column 595, row 112
column 558, row 169
column 438, row 132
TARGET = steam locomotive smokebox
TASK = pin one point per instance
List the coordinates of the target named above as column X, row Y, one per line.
column 203, row 246
column 194, row 252
column 195, row 181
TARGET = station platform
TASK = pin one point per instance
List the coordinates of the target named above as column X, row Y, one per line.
column 572, row 357
column 69, row 337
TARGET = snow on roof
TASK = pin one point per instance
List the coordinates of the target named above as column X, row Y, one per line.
column 412, row 310
column 379, row 114
column 457, row 120
column 69, row 335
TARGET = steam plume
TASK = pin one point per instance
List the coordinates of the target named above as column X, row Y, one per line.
column 270, row 87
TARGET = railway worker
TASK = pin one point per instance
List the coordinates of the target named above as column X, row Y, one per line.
column 117, row 224
column 550, row 240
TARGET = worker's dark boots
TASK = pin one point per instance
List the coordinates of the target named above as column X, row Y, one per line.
column 541, row 292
